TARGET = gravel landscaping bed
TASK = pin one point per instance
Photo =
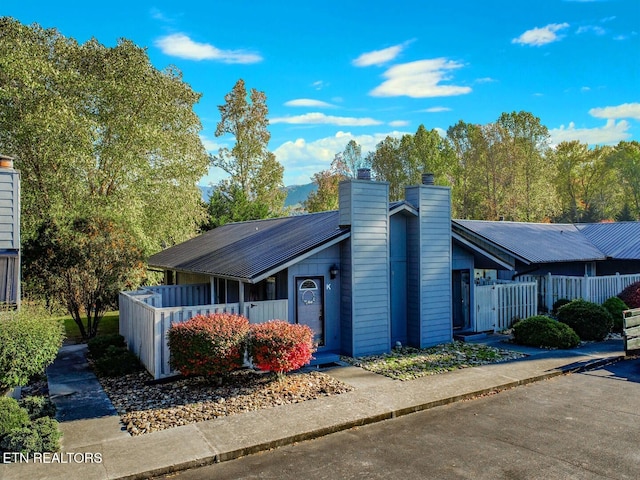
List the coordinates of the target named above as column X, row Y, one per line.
column 147, row 407
column 406, row 363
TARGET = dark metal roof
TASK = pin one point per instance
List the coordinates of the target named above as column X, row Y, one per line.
column 536, row 242
column 620, row 240
column 247, row 250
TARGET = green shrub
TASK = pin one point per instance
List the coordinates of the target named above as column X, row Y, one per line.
column 38, row 406
column 208, row 345
column 116, row 361
column 561, row 302
column 98, row 345
column 29, row 342
column 589, row 320
column 615, row 307
column 43, row 435
column 12, row 416
column 541, row 331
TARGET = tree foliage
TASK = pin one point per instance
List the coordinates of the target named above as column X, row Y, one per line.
column 402, row 161
column 252, row 169
column 99, row 129
column 85, row 263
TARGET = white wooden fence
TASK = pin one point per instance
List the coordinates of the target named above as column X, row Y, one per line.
column 499, row 305
column 593, row 289
column 144, row 321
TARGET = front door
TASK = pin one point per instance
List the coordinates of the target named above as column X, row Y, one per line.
column 461, row 296
column 310, row 306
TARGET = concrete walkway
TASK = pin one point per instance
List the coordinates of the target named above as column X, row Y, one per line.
column 97, row 447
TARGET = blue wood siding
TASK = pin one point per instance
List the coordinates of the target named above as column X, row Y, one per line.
column 9, row 209
column 364, row 207
column 431, row 240
column 318, row 265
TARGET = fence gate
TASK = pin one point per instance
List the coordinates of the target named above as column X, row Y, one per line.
column 486, row 313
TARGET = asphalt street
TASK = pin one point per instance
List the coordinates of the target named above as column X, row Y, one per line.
column 578, row 426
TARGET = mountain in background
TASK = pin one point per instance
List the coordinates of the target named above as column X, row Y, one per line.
column 296, row 194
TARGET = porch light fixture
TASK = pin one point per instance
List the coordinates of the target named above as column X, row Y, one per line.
column 333, row 271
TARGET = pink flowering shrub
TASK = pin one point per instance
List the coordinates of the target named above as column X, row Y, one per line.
column 631, row 295
column 208, row 344
column 279, row 346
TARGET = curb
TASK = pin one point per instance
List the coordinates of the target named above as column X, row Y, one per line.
column 367, row 420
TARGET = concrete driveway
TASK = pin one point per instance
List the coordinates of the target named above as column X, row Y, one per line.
column 578, row 426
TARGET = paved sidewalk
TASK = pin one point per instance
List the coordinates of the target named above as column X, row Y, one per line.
column 375, row 398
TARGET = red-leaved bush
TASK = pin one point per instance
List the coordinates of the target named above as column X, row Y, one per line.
column 631, row 295
column 279, row 346
column 208, row 344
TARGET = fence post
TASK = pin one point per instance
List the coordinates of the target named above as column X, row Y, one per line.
column 586, row 290
column 549, row 291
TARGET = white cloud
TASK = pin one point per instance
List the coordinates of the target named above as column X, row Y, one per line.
column 378, row 57
column 211, row 146
column 626, row 110
column 591, row 28
column 485, row 80
column 308, row 102
column 301, row 159
column 420, row 79
column 610, row 134
column 180, row 45
column 541, row 36
column 398, row 123
column 319, row 84
column 317, row 118
column 436, row 109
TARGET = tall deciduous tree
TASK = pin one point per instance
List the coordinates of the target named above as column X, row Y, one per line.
column 250, row 165
column 625, row 159
column 525, row 140
column 585, row 183
column 326, row 195
column 100, row 130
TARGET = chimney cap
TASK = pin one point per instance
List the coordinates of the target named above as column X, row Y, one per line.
column 428, row 179
column 6, row 161
column 364, row 174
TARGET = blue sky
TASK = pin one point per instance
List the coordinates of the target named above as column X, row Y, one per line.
column 340, row 70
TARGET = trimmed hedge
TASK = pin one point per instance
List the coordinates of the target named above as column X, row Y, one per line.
column 42, row 435
column 615, row 307
column 541, row 331
column 29, row 342
column 12, row 416
column 589, row 320
column 38, row 406
column 279, row 346
column 631, row 295
column 208, row 344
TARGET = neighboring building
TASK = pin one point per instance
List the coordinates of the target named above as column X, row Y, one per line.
column 371, row 274
column 9, row 232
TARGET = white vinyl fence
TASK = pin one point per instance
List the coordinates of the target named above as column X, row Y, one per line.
column 593, row 289
column 144, row 322
column 499, row 305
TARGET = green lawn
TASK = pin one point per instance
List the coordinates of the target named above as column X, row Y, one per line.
column 108, row 325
